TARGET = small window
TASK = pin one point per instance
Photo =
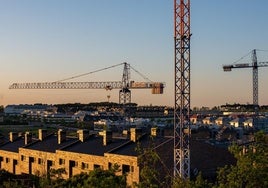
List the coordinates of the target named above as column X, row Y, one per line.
column 7, row 160
column 61, row 161
column 110, row 165
column 96, row 166
column 125, row 169
column 23, row 158
column 31, row 159
column 84, row 165
column 40, row 161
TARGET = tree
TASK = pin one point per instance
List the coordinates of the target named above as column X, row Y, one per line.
column 147, row 159
column 105, row 178
column 5, row 176
column 251, row 169
column 95, row 179
column 150, row 165
column 1, row 108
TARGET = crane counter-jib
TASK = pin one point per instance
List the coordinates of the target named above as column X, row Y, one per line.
column 230, row 67
column 242, row 65
column 157, row 87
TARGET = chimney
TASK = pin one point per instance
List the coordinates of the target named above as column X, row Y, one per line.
column 135, row 134
column 13, row 136
column 61, row 136
column 82, row 135
column 42, row 134
column 107, row 137
column 27, row 138
column 154, row 131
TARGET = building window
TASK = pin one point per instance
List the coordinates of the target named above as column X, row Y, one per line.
column 125, row 169
column 7, row 160
column 110, row 165
column 61, row 161
column 40, row 161
column 84, row 165
column 31, row 159
column 96, row 166
column 22, row 158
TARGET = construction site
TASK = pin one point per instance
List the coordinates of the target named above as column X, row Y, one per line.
column 185, row 147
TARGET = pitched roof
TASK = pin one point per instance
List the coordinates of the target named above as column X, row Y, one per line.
column 13, row 146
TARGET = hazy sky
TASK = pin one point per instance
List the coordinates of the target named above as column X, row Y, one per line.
column 49, row 40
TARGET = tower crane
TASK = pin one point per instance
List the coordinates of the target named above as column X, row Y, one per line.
column 125, row 85
column 254, row 65
column 182, row 37
column 181, row 89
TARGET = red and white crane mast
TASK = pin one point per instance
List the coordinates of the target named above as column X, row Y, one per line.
column 182, row 88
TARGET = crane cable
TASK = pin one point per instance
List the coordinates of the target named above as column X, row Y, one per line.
column 262, row 50
column 144, row 77
column 80, row 75
column 249, row 54
column 73, row 77
column 242, row 57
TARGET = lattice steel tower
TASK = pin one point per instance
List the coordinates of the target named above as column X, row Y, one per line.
column 255, row 80
column 125, row 93
column 182, row 88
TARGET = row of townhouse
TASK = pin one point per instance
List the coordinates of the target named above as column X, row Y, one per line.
column 23, row 154
column 243, row 121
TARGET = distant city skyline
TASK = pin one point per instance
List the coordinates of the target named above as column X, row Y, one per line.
column 45, row 41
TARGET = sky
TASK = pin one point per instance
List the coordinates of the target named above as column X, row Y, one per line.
column 50, row 40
